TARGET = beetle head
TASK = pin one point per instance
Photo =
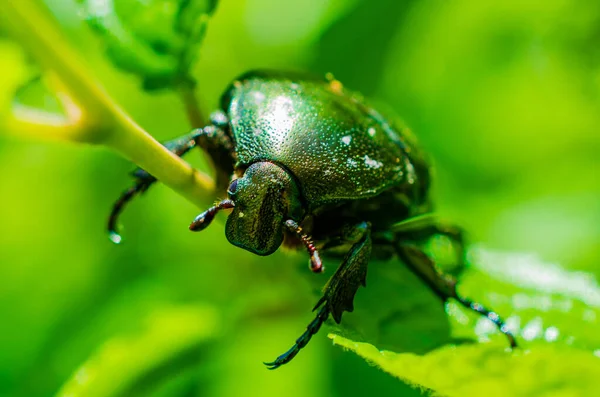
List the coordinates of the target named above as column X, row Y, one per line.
column 265, row 197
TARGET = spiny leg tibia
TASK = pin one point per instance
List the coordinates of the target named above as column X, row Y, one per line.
column 339, row 292
column 445, row 286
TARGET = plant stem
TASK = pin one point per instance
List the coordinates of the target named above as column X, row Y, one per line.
column 93, row 115
column 33, row 123
column 192, row 105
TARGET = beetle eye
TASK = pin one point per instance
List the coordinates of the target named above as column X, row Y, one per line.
column 233, row 186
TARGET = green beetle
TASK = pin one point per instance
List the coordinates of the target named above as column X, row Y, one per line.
column 306, row 163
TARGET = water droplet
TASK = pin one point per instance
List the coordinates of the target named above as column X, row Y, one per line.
column 483, row 328
column 347, row 139
column 115, row 237
column 589, row 315
column 513, row 323
column 551, row 334
column 533, row 329
column 372, row 131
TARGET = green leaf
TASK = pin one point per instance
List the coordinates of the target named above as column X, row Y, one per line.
column 172, row 339
column 554, row 313
column 155, row 39
column 470, row 370
column 34, row 98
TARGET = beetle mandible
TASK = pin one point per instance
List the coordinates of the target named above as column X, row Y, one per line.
column 307, row 164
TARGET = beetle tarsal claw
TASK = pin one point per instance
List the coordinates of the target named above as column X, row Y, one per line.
column 303, row 340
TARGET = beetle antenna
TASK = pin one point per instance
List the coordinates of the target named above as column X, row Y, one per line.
column 139, row 188
column 315, row 260
column 202, row 221
column 303, row 340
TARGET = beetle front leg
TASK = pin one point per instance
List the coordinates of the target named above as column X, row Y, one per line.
column 339, row 292
column 444, row 285
column 211, row 138
column 143, row 181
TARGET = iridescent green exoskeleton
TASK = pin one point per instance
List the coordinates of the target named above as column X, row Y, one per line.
column 307, row 164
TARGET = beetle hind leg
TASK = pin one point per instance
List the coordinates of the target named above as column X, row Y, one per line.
column 444, row 285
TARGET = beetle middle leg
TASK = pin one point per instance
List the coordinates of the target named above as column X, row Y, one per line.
column 444, row 285
column 213, row 139
column 339, row 292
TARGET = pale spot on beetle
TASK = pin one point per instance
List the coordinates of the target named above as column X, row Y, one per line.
column 369, row 162
column 258, row 97
column 352, row 163
column 219, row 118
column 294, row 86
column 347, row 139
column 241, row 214
column 284, row 102
column 372, row 131
column 411, row 177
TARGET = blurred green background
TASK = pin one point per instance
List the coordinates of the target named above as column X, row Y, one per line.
column 504, row 95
